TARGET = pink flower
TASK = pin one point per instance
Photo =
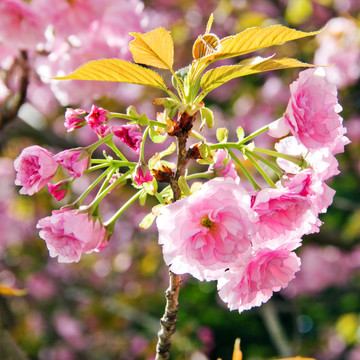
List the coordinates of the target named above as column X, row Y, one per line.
column 59, row 189
column 208, row 232
column 312, row 113
column 75, row 161
column 74, row 119
column 35, row 166
column 96, row 117
column 69, row 234
column 322, row 161
column 139, row 176
column 224, row 165
column 283, row 215
column 268, row 271
column 307, row 184
column 129, row 135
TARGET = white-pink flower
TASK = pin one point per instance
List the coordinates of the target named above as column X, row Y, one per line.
column 35, row 166
column 208, row 232
column 312, row 113
column 268, row 271
column 322, row 161
column 69, row 234
column 224, row 166
column 306, row 183
column 75, row 161
column 283, row 215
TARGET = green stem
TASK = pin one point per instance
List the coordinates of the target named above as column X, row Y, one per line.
column 273, row 153
column 227, row 145
column 122, row 116
column 106, row 182
column 157, row 123
column 260, row 169
column 111, row 222
column 143, row 143
column 160, row 198
column 79, row 201
column 100, row 196
column 274, row 167
column 93, row 168
column 206, row 175
column 242, row 167
column 103, row 140
column 113, row 147
column 254, row 134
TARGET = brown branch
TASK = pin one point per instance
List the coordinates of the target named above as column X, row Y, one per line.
column 7, row 115
column 170, row 318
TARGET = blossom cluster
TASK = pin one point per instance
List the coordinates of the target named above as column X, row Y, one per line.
column 246, row 239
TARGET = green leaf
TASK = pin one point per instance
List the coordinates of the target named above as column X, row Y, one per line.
column 220, row 75
column 149, row 218
column 240, row 133
column 207, row 117
column 116, row 70
column 156, row 137
column 255, row 38
column 168, row 151
column 184, row 186
column 222, row 134
column 154, row 48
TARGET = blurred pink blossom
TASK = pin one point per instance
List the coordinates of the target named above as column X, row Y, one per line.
column 339, row 47
column 35, row 166
column 20, row 26
column 69, row 234
column 208, row 232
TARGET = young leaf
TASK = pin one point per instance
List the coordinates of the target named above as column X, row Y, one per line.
column 255, row 38
column 116, row 70
column 220, row 75
column 154, row 48
column 222, row 134
column 240, row 133
column 207, row 117
column 156, row 137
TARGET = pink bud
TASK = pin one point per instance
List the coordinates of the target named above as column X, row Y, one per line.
column 74, row 119
column 129, row 135
column 75, row 161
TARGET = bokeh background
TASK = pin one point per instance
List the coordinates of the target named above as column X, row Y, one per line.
column 108, row 305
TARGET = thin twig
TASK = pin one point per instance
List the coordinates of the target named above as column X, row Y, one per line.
column 170, row 318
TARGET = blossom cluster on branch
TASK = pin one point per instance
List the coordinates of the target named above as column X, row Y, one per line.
column 221, row 229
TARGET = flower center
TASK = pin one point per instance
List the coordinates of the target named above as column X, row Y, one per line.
column 206, row 222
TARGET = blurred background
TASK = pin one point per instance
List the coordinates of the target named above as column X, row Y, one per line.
column 108, row 305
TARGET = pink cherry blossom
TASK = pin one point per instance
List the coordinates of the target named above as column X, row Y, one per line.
column 224, row 166
column 142, row 174
column 58, row 190
column 312, row 113
column 322, row 161
column 307, row 184
column 74, row 119
column 69, row 234
column 268, row 271
column 75, row 161
column 130, row 135
column 283, row 215
column 208, row 232
column 35, row 166
column 96, row 117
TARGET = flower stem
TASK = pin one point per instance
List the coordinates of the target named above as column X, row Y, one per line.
column 254, row 134
column 112, row 146
column 273, row 153
column 88, row 190
column 245, row 171
column 111, row 222
column 260, row 169
column 141, row 158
